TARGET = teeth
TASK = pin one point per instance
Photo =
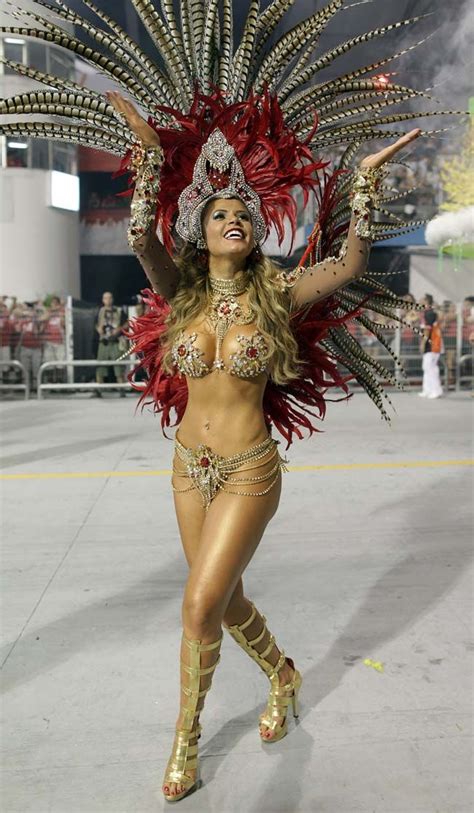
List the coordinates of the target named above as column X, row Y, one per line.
column 234, row 235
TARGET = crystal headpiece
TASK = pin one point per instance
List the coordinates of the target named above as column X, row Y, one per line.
column 217, row 174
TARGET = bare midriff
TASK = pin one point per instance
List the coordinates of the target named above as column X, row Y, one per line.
column 224, row 412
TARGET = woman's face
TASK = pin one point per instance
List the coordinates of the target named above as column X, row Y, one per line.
column 228, row 228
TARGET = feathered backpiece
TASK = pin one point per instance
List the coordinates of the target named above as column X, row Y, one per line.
column 195, row 49
column 266, row 100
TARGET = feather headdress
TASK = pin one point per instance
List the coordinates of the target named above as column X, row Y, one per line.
column 264, row 99
column 272, row 159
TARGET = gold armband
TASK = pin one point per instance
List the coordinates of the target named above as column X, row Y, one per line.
column 365, row 195
column 146, row 163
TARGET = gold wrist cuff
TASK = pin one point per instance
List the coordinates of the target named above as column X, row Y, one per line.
column 145, row 163
column 150, row 156
column 366, row 188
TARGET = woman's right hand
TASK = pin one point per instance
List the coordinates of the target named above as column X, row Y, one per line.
column 142, row 130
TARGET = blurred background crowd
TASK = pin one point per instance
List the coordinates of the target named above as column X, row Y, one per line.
column 53, row 330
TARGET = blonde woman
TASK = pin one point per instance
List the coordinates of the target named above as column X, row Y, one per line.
column 228, row 332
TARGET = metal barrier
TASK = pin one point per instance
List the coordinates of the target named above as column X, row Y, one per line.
column 387, row 360
column 86, row 385
column 25, row 386
column 470, row 376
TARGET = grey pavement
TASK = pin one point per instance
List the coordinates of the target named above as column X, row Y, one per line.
column 365, row 559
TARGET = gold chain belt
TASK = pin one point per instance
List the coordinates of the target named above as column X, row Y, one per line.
column 210, row 472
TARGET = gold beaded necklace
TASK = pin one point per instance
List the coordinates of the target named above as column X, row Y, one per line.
column 224, row 310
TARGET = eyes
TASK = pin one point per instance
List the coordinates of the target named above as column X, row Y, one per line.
column 221, row 214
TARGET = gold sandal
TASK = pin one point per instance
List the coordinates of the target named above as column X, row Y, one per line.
column 279, row 697
column 278, row 702
column 184, row 755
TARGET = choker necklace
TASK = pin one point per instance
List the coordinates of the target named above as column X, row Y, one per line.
column 224, row 310
column 228, row 287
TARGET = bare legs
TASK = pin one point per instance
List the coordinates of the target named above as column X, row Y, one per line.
column 218, row 547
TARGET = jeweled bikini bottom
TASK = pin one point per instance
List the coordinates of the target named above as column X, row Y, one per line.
column 209, row 472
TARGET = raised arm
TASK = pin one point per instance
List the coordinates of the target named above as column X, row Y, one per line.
column 147, row 159
column 309, row 285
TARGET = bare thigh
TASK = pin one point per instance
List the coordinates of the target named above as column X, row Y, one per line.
column 232, row 521
column 230, row 534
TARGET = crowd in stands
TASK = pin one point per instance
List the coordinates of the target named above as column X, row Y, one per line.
column 34, row 332
column 31, row 333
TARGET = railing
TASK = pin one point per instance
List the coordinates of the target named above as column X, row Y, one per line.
column 24, row 386
column 78, row 385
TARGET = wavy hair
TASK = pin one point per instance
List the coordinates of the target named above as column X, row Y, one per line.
column 269, row 302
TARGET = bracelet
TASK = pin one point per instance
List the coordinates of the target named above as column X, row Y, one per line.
column 146, row 162
column 149, row 156
column 365, row 195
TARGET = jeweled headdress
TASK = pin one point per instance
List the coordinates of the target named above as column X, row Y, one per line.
column 242, row 150
column 217, row 174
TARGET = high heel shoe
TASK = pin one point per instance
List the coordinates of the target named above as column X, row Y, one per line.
column 184, row 754
column 277, row 705
column 280, row 696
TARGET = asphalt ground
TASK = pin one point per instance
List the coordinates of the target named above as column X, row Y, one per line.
column 364, row 575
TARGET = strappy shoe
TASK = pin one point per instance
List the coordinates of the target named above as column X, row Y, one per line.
column 277, row 705
column 279, row 696
column 184, row 754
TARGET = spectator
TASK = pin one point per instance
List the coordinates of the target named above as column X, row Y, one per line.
column 449, row 325
column 54, row 334
column 6, row 336
column 109, row 326
column 431, row 347
column 467, row 346
column 467, row 324
column 409, row 340
column 28, row 324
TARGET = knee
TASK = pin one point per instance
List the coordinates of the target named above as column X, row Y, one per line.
column 202, row 612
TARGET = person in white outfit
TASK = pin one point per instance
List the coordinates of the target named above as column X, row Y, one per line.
column 431, row 346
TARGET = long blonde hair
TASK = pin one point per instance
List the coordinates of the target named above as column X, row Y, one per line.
column 269, row 302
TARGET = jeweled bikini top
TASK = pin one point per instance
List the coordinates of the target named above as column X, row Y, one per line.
column 246, row 363
column 223, row 311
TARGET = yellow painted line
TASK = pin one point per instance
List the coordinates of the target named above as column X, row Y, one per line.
column 404, row 464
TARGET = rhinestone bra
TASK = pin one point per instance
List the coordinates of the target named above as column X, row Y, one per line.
column 248, row 362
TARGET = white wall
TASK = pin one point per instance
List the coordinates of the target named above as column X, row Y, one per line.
column 39, row 245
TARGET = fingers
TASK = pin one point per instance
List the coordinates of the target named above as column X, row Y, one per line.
column 380, row 158
column 133, row 118
column 402, row 142
column 121, row 104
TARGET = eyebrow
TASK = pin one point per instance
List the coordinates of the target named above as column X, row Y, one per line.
column 244, row 211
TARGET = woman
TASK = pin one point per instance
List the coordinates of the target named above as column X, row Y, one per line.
column 226, row 468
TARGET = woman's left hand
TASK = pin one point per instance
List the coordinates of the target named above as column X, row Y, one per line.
column 380, row 158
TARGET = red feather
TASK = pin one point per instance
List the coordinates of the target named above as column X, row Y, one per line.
column 166, row 392
column 273, row 158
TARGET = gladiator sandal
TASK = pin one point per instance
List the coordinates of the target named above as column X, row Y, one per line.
column 184, row 755
column 280, row 696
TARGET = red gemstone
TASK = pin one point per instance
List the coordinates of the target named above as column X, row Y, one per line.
column 181, row 350
column 252, row 352
column 225, row 309
column 205, row 462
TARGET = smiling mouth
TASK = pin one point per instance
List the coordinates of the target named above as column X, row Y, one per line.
column 234, row 234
